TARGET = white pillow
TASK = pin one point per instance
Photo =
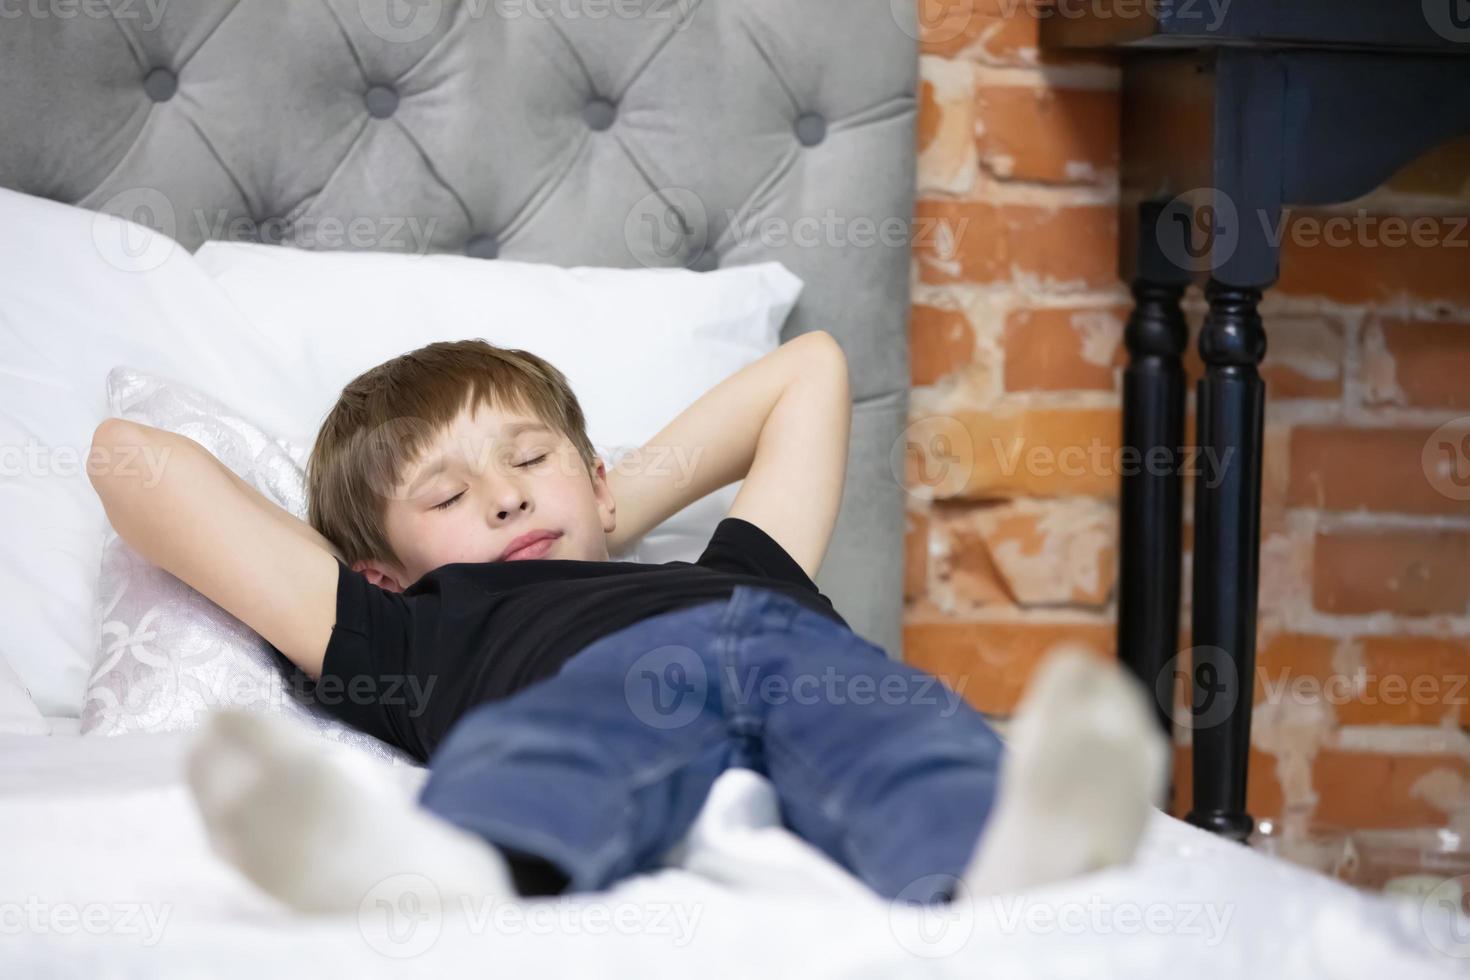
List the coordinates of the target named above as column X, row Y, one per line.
column 638, row 345
column 18, row 712
column 81, row 293
column 84, row 292
column 167, row 655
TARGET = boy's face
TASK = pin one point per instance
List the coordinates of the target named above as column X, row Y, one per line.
column 490, row 478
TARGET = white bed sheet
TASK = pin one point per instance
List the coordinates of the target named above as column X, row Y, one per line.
column 105, row 871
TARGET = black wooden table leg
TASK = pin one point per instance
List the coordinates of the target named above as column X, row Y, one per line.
column 1151, row 491
column 1230, row 406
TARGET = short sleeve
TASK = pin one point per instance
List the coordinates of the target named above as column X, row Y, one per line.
column 375, row 676
column 742, row 547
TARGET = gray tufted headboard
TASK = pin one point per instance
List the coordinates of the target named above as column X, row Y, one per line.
column 575, row 132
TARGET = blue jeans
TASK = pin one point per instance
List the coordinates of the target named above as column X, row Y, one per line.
column 601, row 769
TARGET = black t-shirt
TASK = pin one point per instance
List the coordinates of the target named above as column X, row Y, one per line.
column 405, row 666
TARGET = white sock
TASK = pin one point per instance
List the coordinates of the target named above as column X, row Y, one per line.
column 1085, row 762
column 316, row 829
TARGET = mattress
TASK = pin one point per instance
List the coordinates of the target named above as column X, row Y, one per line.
column 106, row 871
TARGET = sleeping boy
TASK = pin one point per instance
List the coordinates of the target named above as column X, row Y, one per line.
column 573, row 710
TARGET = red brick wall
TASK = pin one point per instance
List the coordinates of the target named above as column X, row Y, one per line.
column 1364, row 646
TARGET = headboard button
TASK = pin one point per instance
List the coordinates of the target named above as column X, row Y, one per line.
column 811, row 128
column 599, row 113
column 161, row 84
column 382, row 101
column 482, row 247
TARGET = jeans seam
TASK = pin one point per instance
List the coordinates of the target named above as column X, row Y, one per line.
column 643, row 776
column 726, row 648
column 833, row 808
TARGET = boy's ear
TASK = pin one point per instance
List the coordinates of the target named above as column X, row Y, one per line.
column 381, row 574
column 607, row 506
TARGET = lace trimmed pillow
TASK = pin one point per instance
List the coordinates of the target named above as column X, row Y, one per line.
column 167, row 653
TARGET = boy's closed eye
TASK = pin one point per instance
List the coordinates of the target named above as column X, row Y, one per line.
column 530, row 462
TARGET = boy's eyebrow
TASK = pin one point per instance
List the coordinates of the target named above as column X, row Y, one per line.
column 516, row 428
column 438, row 463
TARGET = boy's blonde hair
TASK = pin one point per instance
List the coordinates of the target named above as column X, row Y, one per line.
column 387, row 416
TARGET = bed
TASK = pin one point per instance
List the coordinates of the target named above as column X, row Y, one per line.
column 618, row 134
column 107, row 873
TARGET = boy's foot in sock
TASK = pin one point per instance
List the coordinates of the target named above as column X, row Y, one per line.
column 314, row 829
column 1084, row 764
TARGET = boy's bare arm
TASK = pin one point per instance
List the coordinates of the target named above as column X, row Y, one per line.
column 781, row 424
column 204, row 525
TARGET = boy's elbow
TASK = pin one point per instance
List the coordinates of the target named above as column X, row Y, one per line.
column 826, row 343
column 830, row 353
column 107, row 434
column 824, row 348
column 110, row 439
column 111, row 430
